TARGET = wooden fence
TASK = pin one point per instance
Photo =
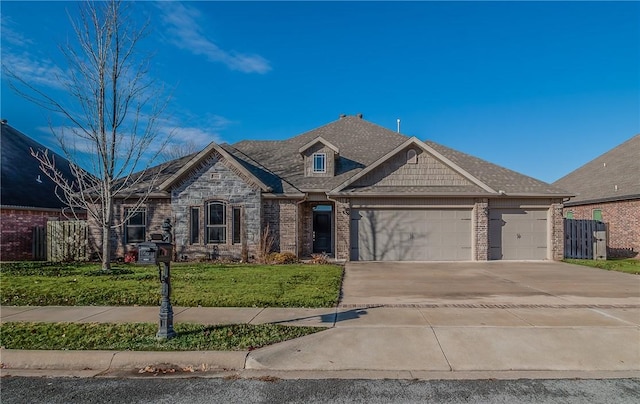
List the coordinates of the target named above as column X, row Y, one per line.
column 61, row 241
column 585, row 239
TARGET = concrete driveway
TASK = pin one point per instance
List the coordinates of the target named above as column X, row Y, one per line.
column 493, row 283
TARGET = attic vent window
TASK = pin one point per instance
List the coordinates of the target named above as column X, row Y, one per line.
column 319, row 163
column 412, row 156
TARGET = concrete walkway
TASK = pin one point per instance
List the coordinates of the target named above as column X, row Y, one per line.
column 474, row 321
column 417, row 342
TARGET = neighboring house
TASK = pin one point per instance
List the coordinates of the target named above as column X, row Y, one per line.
column 27, row 196
column 608, row 189
column 355, row 191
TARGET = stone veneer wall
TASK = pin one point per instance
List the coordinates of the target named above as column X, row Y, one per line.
column 623, row 225
column 282, row 218
column 216, row 181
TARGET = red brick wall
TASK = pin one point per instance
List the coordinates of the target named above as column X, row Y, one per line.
column 623, row 225
column 16, row 231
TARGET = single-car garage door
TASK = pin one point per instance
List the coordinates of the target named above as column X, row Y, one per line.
column 410, row 235
column 517, row 234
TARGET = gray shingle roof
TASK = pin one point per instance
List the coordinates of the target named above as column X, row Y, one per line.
column 23, row 183
column 615, row 175
column 280, row 166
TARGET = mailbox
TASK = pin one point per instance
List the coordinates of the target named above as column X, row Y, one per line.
column 153, row 253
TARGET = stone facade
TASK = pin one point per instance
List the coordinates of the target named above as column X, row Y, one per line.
column 16, row 228
column 623, row 225
column 216, row 181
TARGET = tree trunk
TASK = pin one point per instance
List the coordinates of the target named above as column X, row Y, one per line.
column 106, row 235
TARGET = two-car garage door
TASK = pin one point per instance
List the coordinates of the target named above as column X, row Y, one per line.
column 411, row 234
column 446, row 234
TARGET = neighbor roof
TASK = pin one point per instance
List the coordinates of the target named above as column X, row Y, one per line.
column 615, row 175
column 23, row 183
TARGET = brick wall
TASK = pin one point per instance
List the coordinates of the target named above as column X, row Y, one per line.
column 281, row 217
column 557, row 231
column 480, row 229
column 16, row 231
column 343, row 229
column 623, row 225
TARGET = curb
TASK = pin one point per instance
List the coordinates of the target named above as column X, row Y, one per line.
column 104, row 361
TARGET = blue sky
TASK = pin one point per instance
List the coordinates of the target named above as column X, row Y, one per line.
column 537, row 87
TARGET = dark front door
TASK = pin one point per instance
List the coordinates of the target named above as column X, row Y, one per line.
column 321, row 232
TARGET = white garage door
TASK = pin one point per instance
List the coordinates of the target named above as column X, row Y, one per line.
column 410, row 235
column 518, row 234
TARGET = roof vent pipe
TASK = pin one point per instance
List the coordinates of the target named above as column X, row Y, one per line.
column 359, row 116
column 343, row 116
column 398, row 121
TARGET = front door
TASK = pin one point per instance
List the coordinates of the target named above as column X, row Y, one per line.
column 321, row 231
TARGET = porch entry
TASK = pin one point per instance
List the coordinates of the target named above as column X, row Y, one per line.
column 322, row 229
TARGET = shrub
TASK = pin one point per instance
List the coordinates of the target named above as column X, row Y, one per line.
column 319, row 259
column 282, row 258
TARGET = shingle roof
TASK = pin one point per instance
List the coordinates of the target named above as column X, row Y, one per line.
column 615, row 175
column 497, row 177
column 280, row 166
column 23, row 183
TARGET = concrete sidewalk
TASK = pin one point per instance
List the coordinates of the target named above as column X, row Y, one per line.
column 425, row 341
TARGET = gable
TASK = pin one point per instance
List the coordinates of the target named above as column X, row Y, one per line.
column 403, row 170
column 205, row 158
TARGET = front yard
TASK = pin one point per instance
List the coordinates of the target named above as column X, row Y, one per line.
column 193, row 284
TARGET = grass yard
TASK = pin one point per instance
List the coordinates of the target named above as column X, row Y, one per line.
column 193, row 284
column 141, row 336
column 630, row 266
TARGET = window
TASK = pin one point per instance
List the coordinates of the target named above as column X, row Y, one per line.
column 412, row 156
column 319, row 163
column 136, row 225
column 597, row 214
column 216, row 223
column 237, row 225
column 195, row 226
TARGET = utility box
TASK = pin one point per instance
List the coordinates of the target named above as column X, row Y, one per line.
column 153, row 253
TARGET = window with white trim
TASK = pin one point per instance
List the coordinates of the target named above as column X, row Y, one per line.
column 319, row 162
column 135, row 229
column 216, row 223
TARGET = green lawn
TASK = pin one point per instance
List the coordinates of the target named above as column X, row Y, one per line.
column 630, row 266
column 141, row 336
column 193, row 284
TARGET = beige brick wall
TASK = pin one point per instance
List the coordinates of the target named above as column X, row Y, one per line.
column 480, row 229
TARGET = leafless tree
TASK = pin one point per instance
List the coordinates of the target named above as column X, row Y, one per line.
column 111, row 111
column 176, row 151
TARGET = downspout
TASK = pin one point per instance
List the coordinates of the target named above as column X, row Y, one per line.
column 304, row 199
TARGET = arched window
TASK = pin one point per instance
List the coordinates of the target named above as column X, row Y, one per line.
column 412, row 156
column 216, row 231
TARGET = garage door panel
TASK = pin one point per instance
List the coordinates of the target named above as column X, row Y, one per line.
column 518, row 234
column 411, row 235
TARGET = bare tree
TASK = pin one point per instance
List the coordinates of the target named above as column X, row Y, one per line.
column 176, row 151
column 111, row 122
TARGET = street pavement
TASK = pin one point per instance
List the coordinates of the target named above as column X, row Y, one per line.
column 417, row 321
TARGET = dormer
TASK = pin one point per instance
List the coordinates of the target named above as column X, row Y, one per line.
column 320, row 158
